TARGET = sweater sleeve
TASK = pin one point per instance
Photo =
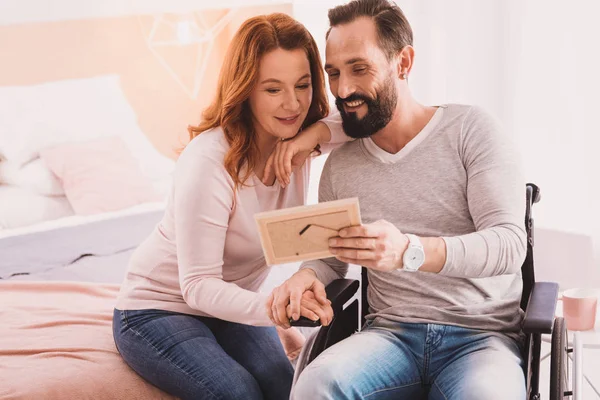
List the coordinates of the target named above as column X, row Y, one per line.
column 496, row 200
column 338, row 137
column 203, row 201
column 327, row 269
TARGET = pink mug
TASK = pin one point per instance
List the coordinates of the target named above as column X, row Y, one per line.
column 579, row 308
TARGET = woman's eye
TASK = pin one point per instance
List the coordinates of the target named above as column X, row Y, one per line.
column 304, row 86
column 273, row 91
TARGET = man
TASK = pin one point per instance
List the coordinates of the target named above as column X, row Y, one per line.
column 442, row 202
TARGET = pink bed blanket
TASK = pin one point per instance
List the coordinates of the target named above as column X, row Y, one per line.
column 56, row 343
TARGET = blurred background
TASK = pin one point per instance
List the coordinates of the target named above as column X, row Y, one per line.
column 153, row 64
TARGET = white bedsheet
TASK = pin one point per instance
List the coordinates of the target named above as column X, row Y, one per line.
column 81, row 219
column 98, row 269
column 46, row 246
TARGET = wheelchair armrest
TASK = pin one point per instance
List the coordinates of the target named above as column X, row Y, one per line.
column 539, row 315
column 338, row 292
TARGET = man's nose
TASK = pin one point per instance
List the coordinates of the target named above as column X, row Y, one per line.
column 345, row 87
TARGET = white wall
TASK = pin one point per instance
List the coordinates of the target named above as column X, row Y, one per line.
column 23, row 11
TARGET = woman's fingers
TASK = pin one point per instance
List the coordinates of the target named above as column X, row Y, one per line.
column 286, row 161
column 269, row 306
column 279, row 308
column 281, row 168
column 269, row 171
column 295, row 303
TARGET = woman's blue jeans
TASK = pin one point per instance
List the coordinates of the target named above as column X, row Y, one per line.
column 203, row 358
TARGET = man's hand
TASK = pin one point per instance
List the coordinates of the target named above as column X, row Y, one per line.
column 289, row 155
column 378, row 246
column 291, row 293
column 310, row 308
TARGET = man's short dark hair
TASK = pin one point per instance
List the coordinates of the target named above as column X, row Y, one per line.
column 394, row 31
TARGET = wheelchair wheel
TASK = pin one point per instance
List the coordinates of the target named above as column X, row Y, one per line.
column 559, row 361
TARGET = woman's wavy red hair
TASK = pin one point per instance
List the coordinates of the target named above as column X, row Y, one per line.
column 239, row 74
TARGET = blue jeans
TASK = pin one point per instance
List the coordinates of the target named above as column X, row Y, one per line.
column 203, row 358
column 390, row 360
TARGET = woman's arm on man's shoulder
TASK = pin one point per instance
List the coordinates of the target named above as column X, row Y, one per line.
column 289, row 155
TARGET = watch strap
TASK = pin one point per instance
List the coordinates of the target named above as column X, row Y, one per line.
column 414, row 241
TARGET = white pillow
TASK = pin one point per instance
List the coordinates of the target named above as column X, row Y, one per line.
column 21, row 207
column 33, row 176
column 38, row 116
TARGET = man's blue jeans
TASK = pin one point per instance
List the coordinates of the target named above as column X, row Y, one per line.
column 390, row 360
column 203, row 358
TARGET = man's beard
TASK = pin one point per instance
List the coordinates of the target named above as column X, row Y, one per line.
column 379, row 111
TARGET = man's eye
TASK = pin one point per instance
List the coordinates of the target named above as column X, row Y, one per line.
column 359, row 70
column 333, row 74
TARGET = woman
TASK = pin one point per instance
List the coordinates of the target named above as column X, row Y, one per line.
column 189, row 318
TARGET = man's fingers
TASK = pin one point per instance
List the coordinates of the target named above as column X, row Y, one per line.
column 324, row 313
column 364, row 231
column 306, row 313
column 354, row 243
column 355, row 254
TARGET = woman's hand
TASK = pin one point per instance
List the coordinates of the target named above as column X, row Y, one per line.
column 291, row 154
column 310, row 308
column 292, row 294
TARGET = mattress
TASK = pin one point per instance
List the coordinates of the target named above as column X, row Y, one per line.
column 56, row 343
column 58, row 243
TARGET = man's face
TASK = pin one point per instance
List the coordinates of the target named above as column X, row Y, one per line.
column 361, row 78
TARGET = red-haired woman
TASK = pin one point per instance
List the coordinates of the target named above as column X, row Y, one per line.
column 189, row 318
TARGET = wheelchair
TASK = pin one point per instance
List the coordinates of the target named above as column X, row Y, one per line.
column 538, row 301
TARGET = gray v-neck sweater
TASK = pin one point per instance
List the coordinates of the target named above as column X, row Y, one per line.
column 458, row 179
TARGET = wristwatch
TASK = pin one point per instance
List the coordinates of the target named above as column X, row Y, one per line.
column 414, row 255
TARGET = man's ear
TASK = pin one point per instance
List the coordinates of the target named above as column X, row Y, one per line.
column 404, row 61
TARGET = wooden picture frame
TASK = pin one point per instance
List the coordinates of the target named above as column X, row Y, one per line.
column 302, row 233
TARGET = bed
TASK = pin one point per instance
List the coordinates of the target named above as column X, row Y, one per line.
column 55, row 328
column 57, row 344
column 60, row 271
column 58, row 288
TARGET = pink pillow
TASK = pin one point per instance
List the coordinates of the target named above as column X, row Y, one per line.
column 99, row 176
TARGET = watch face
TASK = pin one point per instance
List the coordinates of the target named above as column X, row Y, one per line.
column 414, row 258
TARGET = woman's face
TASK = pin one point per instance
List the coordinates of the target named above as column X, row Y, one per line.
column 283, row 93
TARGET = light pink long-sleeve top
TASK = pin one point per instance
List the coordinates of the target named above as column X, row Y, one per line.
column 205, row 257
